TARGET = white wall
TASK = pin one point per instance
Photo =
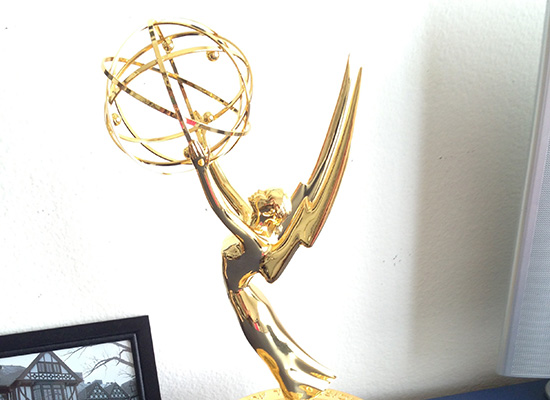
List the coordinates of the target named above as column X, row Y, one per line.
column 403, row 295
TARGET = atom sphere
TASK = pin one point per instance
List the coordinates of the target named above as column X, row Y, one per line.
column 172, row 82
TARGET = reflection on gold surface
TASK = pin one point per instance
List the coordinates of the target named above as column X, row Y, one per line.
column 138, row 116
column 276, row 394
column 267, row 229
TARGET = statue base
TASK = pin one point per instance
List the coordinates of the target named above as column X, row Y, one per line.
column 276, row 394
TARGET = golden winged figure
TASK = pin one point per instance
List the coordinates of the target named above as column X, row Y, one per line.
column 269, row 227
column 266, row 231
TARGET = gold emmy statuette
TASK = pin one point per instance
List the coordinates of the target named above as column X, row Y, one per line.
column 185, row 122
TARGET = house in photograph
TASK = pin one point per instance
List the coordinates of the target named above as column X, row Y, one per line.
column 99, row 391
column 46, row 378
column 130, row 387
column 116, row 392
column 92, row 390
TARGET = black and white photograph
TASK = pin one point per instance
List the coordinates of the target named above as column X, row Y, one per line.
column 90, row 366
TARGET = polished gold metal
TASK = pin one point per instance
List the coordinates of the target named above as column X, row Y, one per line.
column 166, row 48
column 269, row 227
column 277, row 394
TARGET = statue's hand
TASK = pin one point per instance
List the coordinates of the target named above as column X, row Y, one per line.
column 196, row 154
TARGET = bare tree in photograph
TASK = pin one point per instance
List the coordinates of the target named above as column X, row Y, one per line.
column 115, row 355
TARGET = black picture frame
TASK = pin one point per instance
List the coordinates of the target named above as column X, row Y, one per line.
column 135, row 330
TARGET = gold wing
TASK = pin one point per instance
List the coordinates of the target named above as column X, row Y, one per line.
column 312, row 202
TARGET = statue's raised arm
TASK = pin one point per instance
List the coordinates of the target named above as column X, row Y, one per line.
column 218, row 195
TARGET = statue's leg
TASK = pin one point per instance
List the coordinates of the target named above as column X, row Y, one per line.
column 299, row 376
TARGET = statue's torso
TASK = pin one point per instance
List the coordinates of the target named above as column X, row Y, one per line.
column 240, row 262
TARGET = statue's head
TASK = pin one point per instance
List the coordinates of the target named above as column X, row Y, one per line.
column 269, row 209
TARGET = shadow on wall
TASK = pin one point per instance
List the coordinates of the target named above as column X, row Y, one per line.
column 478, row 91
